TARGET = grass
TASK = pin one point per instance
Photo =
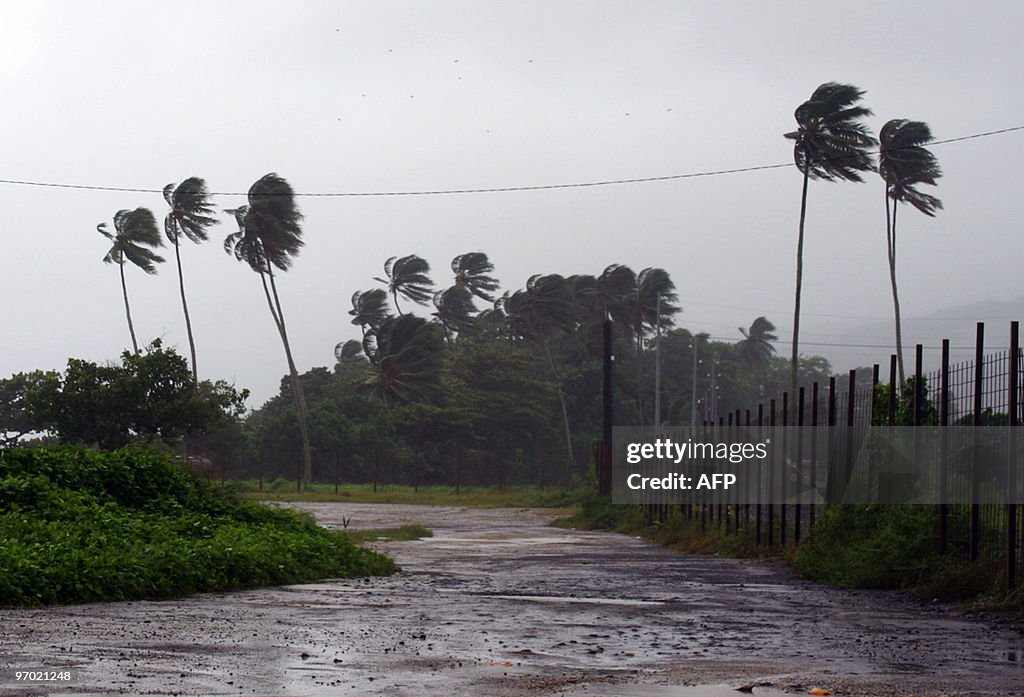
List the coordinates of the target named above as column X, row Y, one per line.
column 80, row 526
column 413, row 531
column 469, row 497
column 887, row 547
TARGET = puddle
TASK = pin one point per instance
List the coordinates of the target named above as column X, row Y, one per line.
column 675, row 691
column 588, row 601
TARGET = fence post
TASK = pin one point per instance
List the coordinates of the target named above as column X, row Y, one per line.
column 830, row 467
column 771, row 478
column 814, row 453
column 943, row 448
column 760, row 474
column 1011, row 508
column 979, row 386
column 784, row 474
column 799, row 465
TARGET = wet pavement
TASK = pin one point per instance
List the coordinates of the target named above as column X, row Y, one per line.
column 499, row 604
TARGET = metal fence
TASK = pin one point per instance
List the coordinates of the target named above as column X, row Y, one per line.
column 985, row 391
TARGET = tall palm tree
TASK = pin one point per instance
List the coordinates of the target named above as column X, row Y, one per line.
column 191, row 215
column 472, row 272
column 134, row 237
column 830, row 143
column 270, row 236
column 904, row 163
column 407, row 276
column 650, row 302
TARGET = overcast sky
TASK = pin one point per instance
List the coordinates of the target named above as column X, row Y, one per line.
column 349, row 97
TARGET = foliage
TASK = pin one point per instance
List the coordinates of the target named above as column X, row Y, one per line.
column 150, row 396
column 80, row 526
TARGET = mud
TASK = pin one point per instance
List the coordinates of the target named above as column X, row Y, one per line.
column 499, row 604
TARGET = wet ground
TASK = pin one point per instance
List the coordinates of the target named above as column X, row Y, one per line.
column 498, row 604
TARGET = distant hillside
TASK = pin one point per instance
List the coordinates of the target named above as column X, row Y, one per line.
column 872, row 342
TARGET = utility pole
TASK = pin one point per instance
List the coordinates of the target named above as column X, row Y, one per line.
column 693, row 397
column 657, row 366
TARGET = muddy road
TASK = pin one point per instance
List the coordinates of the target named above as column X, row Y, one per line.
column 499, row 604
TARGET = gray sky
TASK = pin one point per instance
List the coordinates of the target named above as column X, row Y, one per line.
column 402, row 96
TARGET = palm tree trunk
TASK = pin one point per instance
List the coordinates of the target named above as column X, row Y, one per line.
column 300, row 397
column 561, row 400
column 799, row 284
column 891, row 239
column 128, row 309
column 184, row 306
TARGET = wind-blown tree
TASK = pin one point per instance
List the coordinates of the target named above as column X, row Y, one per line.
column 191, row 215
column 756, row 347
column 539, row 313
column 650, row 302
column 270, row 236
column 407, row 276
column 472, row 272
column 369, row 309
column 904, row 163
column 454, row 309
column 408, row 361
column 134, row 237
column 830, row 143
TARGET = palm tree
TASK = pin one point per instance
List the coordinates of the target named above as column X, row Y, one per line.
column 830, row 143
column 369, row 309
column 191, row 215
column 472, row 273
column 270, row 236
column 756, row 348
column 538, row 314
column 904, row 163
column 407, row 276
column 407, row 361
column 650, row 303
column 454, row 309
column 134, row 237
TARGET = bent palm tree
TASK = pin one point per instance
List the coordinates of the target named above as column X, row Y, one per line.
column 369, row 309
column 454, row 309
column 407, row 276
column 650, row 302
column 472, row 273
column 408, row 361
column 135, row 234
column 191, row 215
column 269, row 235
column 904, row 163
column 756, row 348
column 830, row 143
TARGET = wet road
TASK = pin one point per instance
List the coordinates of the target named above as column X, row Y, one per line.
column 497, row 603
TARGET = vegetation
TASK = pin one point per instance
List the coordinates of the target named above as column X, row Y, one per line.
column 904, row 164
column 269, row 236
column 433, row 495
column 191, row 215
column 830, row 143
column 79, row 525
column 133, row 239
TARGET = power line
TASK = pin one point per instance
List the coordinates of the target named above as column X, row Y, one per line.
column 491, row 190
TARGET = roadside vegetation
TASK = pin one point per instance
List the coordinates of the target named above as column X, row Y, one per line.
column 79, row 525
column 862, row 546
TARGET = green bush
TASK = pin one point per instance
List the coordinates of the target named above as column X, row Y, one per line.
column 79, row 525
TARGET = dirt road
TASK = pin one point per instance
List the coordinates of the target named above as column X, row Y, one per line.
column 499, row 604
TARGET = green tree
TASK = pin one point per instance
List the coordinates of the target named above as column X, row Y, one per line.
column 407, row 361
column 454, row 309
column 407, row 276
column 649, row 303
column 270, row 236
column 756, row 347
column 133, row 239
column 830, row 143
column 904, row 164
column 191, row 215
column 472, row 272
